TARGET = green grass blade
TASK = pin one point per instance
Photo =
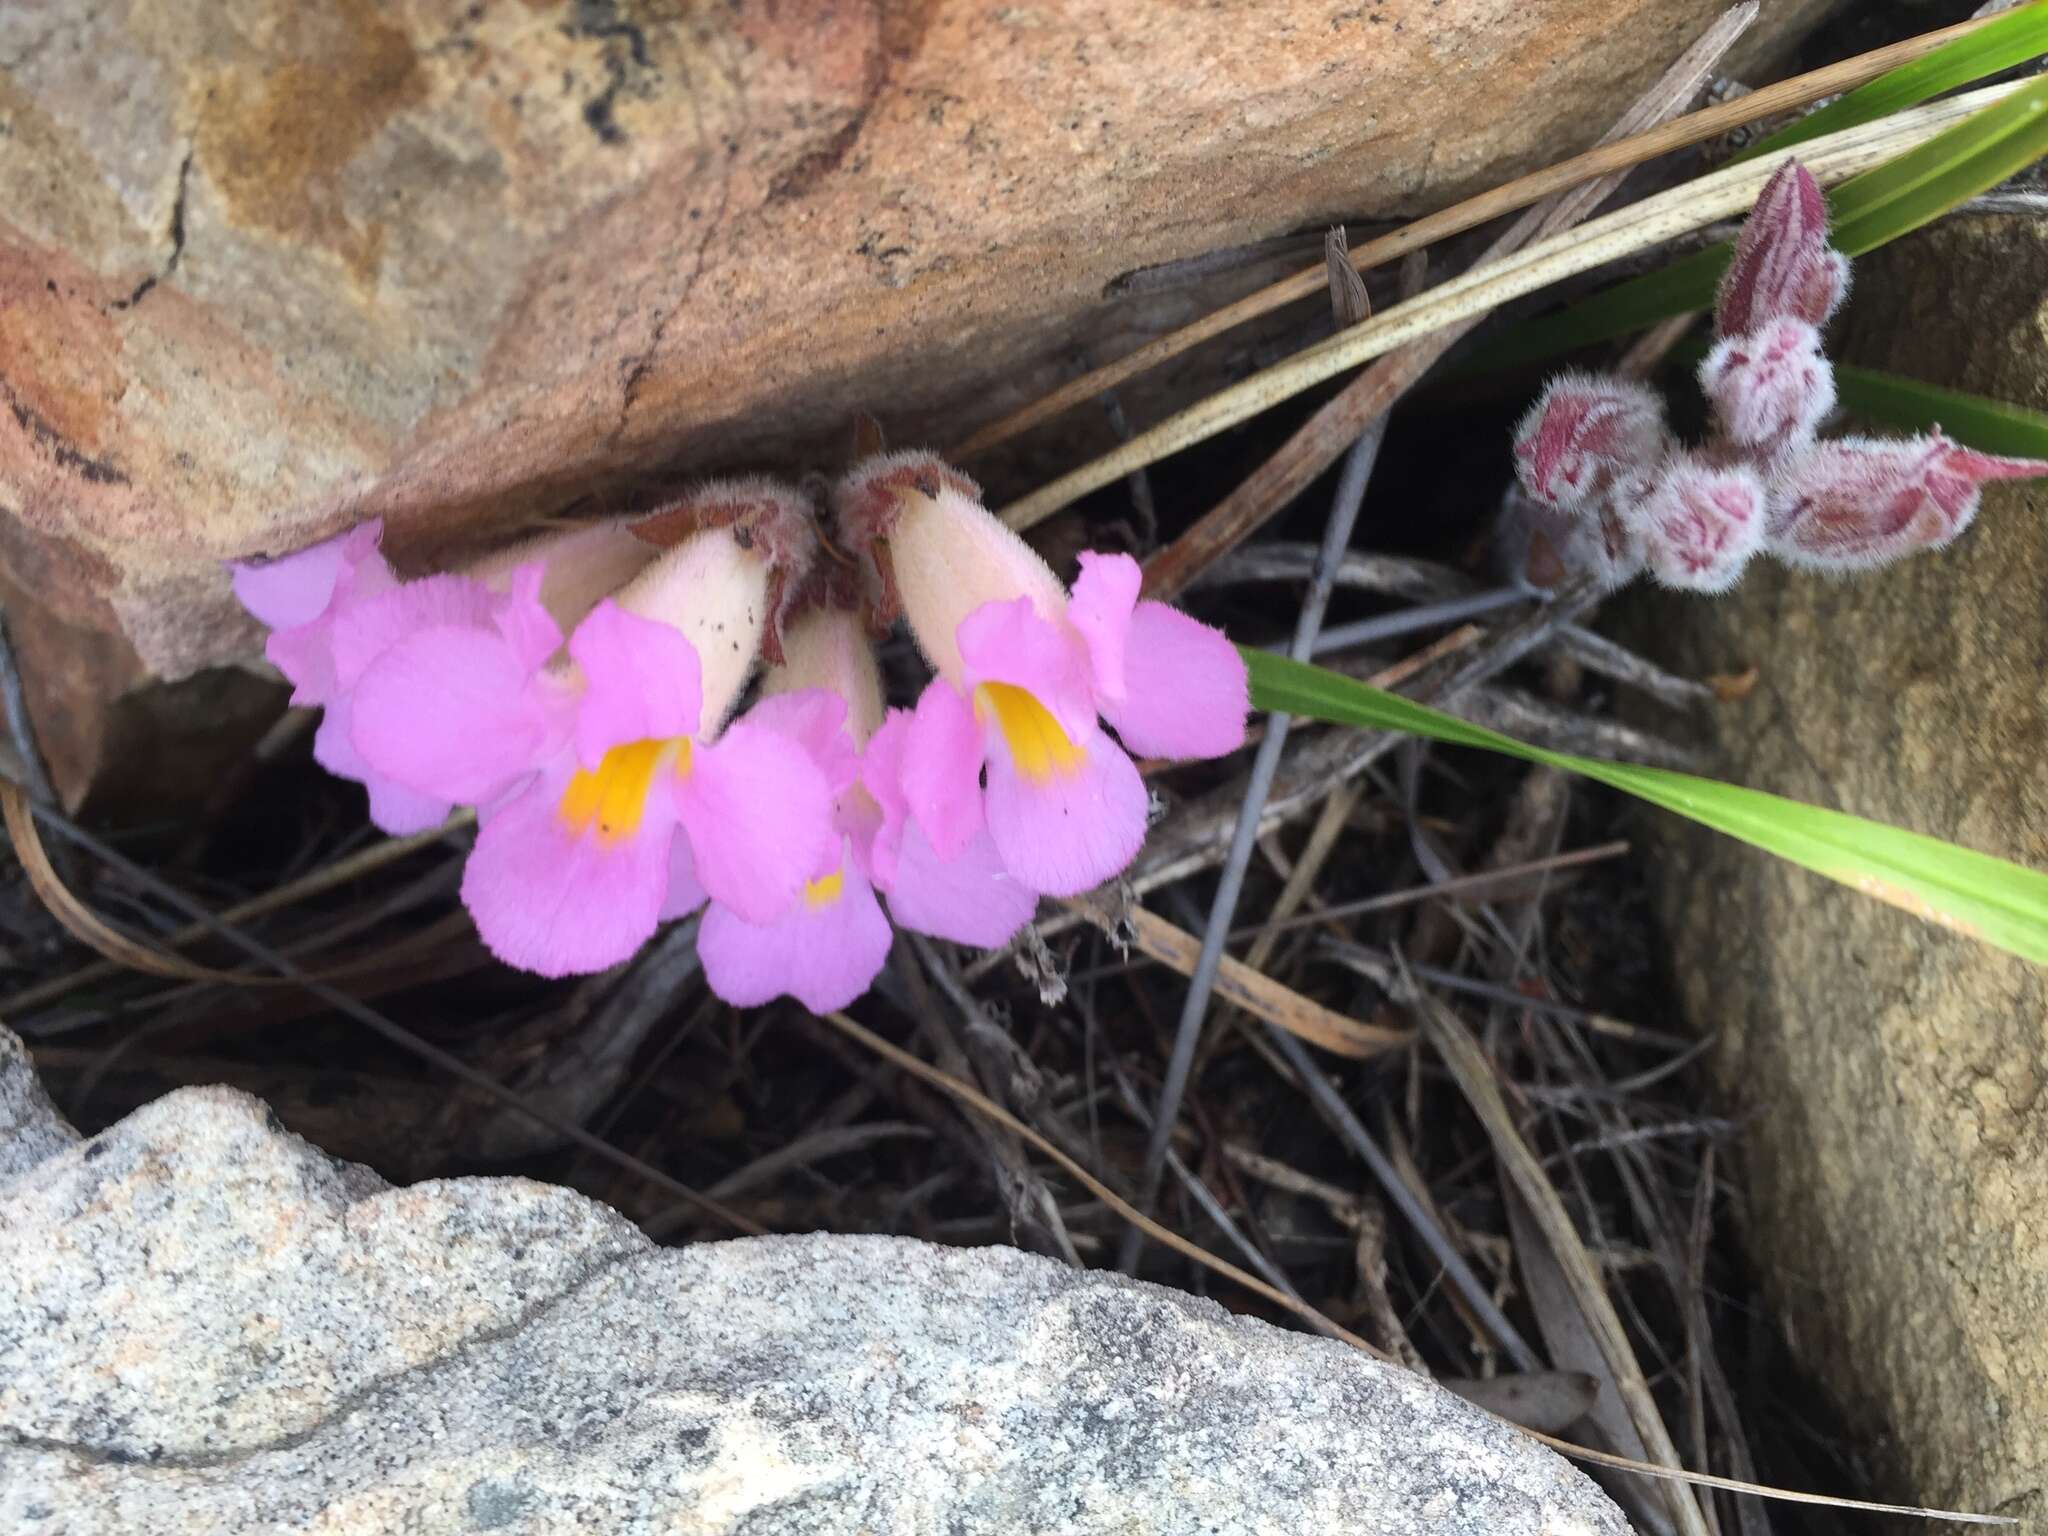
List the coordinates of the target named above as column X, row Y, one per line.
column 1865, row 212
column 1990, row 426
column 1974, row 156
column 1995, row 900
column 2007, row 41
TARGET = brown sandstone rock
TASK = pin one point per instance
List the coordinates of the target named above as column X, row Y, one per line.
column 1898, row 1156
column 267, row 268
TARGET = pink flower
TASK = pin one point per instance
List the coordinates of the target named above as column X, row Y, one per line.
column 607, row 795
column 1609, row 493
column 1859, row 501
column 583, row 566
column 827, row 948
column 1025, row 676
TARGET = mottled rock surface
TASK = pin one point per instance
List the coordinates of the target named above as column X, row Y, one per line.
column 1891, row 1074
column 267, row 267
column 207, row 1325
column 30, row 1127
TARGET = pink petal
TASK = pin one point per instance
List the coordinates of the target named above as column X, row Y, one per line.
column 759, row 817
column 1770, row 388
column 1775, row 270
column 1069, row 830
column 949, row 556
column 685, row 891
column 642, row 682
column 1189, row 694
column 1700, row 525
column 1584, row 434
column 824, row 953
column 1100, row 610
column 296, row 589
column 400, row 812
column 969, row 900
column 941, row 768
column 394, row 809
column 858, row 819
column 524, row 620
column 556, row 903
column 369, row 628
column 814, row 719
column 1010, row 643
column 881, row 775
column 305, row 655
column 452, row 712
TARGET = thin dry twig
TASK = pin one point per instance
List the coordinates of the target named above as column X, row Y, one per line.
column 20, row 728
column 1695, row 128
column 1030, row 1202
column 1634, row 228
column 1343, row 518
column 1469, row 1066
column 314, row 883
column 1460, row 885
column 1237, row 983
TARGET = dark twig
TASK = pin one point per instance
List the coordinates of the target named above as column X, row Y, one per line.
column 1330, row 1104
column 1388, row 626
column 1031, row 1203
column 1205, row 1198
column 1139, row 480
column 1315, row 603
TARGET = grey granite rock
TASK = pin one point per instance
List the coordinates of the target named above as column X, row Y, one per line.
column 30, row 1127
column 208, row 1325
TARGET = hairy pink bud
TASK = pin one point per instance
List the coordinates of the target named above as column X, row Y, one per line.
column 1822, row 289
column 1770, row 388
column 1699, row 524
column 1584, row 434
column 1861, row 501
column 1782, row 265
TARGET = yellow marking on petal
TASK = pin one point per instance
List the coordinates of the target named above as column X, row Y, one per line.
column 1038, row 745
column 683, row 763
column 613, row 796
column 822, row 893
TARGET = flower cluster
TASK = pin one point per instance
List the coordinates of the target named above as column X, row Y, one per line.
column 1612, row 492
column 583, row 692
